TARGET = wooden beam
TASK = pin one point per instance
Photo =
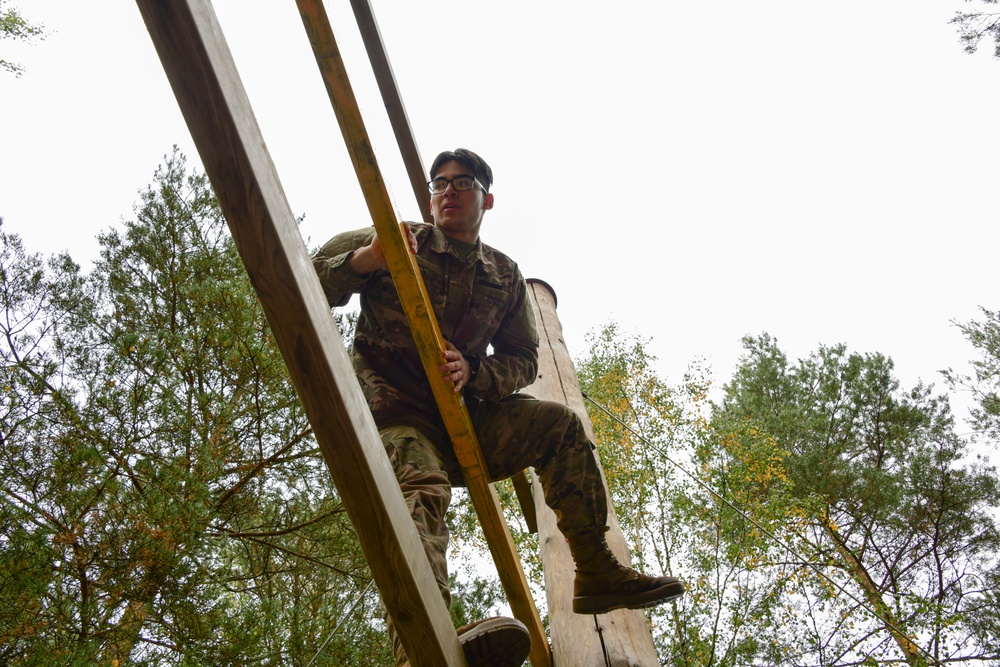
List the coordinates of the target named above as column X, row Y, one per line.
column 621, row 638
column 403, row 132
column 200, row 68
column 423, row 325
column 393, row 104
column 525, row 498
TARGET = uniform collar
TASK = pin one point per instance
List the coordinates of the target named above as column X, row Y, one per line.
column 441, row 244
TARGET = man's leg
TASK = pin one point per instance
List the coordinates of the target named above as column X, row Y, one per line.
column 492, row 642
column 521, row 431
column 427, row 492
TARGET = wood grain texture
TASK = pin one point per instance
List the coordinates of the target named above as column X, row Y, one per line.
column 575, row 637
column 210, row 94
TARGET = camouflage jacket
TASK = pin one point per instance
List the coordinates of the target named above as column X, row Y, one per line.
column 480, row 302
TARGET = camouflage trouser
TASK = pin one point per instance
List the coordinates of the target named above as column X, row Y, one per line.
column 515, row 433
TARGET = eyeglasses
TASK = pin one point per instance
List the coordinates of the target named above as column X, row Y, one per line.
column 460, row 183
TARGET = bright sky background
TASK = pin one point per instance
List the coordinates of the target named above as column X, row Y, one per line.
column 826, row 172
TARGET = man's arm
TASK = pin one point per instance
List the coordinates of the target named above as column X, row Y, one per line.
column 331, row 262
column 345, row 262
column 514, row 362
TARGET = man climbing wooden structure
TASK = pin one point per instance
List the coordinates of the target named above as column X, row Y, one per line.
column 198, row 64
column 423, row 325
column 624, row 637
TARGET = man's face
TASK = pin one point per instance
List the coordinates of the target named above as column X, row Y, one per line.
column 459, row 214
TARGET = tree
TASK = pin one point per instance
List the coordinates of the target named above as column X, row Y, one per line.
column 985, row 384
column 163, row 501
column 647, row 432
column 14, row 26
column 887, row 500
column 700, row 499
column 973, row 27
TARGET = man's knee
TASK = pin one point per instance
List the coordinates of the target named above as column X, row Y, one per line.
column 561, row 412
column 409, row 446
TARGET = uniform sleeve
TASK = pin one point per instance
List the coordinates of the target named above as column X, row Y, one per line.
column 514, row 362
column 330, row 262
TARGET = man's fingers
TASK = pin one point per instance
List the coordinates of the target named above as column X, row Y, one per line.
column 411, row 238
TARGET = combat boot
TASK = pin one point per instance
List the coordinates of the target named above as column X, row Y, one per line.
column 494, row 642
column 603, row 584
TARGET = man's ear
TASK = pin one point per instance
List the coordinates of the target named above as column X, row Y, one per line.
column 488, row 201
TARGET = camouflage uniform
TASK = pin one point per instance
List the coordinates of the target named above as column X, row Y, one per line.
column 480, row 300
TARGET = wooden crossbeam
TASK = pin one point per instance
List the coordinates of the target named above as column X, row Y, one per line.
column 423, row 325
column 200, row 68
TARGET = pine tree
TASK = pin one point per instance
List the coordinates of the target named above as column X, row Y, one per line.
column 164, row 501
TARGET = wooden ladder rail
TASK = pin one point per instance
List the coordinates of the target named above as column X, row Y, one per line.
column 203, row 76
column 400, row 122
column 423, row 325
column 393, row 102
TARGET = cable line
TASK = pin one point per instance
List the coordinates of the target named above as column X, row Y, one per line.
column 802, row 560
column 604, row 646
column 343, row 618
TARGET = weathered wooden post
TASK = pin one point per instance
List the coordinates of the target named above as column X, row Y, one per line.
column 621, row 638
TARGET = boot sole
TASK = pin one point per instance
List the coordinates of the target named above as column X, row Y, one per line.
column 496, row 642
column 602, row 604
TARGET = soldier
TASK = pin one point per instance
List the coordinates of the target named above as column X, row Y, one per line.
column 480, row 300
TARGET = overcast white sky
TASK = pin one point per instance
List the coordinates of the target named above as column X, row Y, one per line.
column 826, row 172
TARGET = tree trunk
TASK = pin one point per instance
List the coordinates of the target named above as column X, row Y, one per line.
column 859, row 574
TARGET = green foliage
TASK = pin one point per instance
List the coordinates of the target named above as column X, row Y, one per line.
column 985, row 384
column 14, row 26
column 637, row 430
column 656, row 448
column 974, row 27
column 879, row 491
column 163, row 499
column 823, row 466
column 474, row 598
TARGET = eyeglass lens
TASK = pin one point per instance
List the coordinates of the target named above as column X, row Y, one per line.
column 460, row 183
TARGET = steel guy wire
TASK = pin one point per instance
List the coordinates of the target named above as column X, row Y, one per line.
column 341, row 622
column 604, row 647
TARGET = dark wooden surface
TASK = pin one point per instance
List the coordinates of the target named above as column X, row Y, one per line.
column 393, row 102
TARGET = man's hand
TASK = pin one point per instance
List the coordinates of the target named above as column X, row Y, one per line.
column 455, row 368
column 371, row 258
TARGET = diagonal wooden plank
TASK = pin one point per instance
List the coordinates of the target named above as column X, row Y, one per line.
column 201, row 72
column 393, row 102
column 400, row 122
column 423, row 325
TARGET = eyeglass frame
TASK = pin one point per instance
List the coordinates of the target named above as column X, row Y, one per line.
column 451, row 182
